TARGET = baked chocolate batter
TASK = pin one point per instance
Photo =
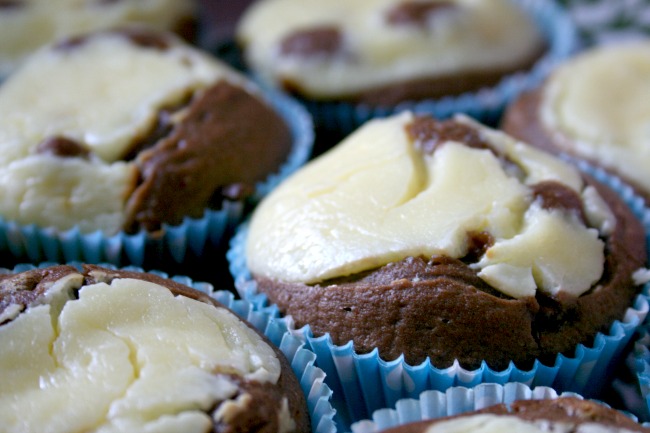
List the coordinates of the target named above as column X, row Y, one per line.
column 323, row 41
column 417, row 13
column 210, row 149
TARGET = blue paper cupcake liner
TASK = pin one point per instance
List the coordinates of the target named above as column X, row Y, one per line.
column 486, row 104
column 265, row 320
column 641, row 355
column 175, row 244
column 363, row 383
column 436, row 404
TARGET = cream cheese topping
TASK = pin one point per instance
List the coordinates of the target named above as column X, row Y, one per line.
column 77, row 92
column 29, row 24
column 375, row 199
column 125, row 357
column 486, row 423
column 597, row 104
column 475, row 35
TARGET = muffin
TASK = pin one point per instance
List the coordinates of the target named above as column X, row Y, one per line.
column 594, row 108
column 130, row 130
column 564, row 414
column 384, row 52
column 447, row 241
column 353, row 60
column 135, row 352
column 26, row 25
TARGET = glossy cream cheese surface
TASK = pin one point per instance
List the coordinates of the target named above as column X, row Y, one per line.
column 469, row 35
column 104, row 92
column 377, row 198
column 597, row 105
column 124, row 357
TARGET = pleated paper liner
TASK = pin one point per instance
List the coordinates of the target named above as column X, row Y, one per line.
column 454, row 401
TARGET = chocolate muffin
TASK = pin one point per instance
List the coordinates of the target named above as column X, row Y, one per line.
column 593, row 107
column 446, row 240
column 26, row 25
column 106, row 350
column 564, row 414
column 384, row 52
column 129, row 129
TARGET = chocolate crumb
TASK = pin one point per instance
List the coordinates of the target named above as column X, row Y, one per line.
column 554, row 195
column 429, row 134
column 63, row 147
column 477, row 244
column 323, row 41
column 417, row 13
column 146, row 39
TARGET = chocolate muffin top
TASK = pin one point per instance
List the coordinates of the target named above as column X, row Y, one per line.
column 385, row 51
column 446, row 240
column 594, row 107
column 118, row 351
column 412, row 186
column 127, row 130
